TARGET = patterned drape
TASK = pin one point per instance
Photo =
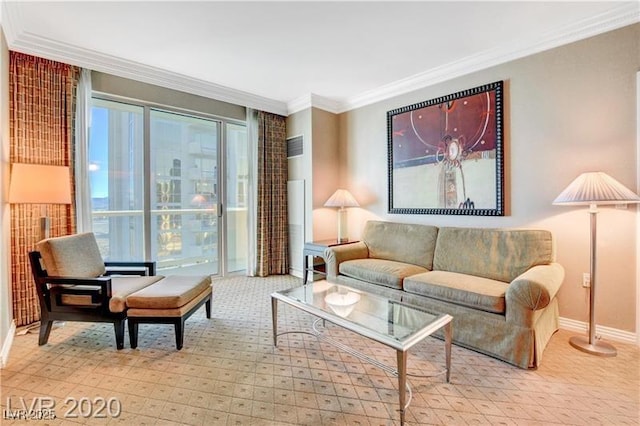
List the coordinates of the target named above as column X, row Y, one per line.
column 41, row 129
column 272, row 248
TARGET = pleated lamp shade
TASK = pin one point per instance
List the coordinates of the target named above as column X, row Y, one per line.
column 341, row 198
column 596, row 188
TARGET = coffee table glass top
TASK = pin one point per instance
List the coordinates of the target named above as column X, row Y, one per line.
column 390, row 322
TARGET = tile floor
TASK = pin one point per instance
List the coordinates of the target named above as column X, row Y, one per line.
column 229, row 373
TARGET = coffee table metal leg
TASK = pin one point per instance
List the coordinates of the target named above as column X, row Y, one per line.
column 402, row 382
column 274, row 319
column 447, row 349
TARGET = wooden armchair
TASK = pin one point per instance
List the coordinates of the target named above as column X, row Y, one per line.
column 74, row 283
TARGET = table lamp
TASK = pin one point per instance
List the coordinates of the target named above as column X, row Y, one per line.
column 342, row 198
column 593, row 189
column 40, row 184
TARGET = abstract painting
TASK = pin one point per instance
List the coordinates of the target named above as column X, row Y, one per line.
column 445, row 155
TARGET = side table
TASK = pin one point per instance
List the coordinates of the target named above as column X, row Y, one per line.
column 316, row 249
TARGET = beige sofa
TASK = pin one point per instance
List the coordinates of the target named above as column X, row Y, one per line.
column 499, row 285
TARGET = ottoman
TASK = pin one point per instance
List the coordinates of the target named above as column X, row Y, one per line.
column 171, row 300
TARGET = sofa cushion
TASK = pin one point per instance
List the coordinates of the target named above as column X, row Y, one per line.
column 172, row 292
column 378, row 271
column 72, row 256
column 496, row 254
column 121, row 287
column 475, row 292
column 401, row 242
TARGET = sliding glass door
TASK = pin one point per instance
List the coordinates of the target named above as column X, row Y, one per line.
column 157, row 186
column 184, row 188
column 116, row 173
column 237, row 179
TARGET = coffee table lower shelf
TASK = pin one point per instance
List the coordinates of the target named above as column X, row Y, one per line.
column 404, row 389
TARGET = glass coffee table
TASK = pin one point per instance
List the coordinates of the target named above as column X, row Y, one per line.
column 385, row 321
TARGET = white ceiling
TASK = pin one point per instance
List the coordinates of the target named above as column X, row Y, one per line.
column 285, row 56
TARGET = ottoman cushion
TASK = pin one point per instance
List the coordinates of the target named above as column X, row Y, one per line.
column 172, row 292
column 169, row 313
column 121, row 287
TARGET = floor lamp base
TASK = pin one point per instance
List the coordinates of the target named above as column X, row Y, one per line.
column 597, row 348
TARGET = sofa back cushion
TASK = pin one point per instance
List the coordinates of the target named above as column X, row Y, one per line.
column 72, row 256
column 401, row 242
column 498, row 254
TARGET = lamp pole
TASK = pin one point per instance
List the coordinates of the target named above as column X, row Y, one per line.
column 592, row 346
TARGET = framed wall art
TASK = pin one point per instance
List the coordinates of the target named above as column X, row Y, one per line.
column 445, row 155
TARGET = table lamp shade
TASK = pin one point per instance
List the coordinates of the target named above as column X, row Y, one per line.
column 341, row 198
column 39, row 184
column 596, row 188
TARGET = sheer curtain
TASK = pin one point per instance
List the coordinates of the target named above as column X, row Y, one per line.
column 252, row 200
column 83, row 124
column 41, row 103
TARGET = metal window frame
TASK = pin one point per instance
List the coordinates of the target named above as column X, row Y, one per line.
column 221, row 169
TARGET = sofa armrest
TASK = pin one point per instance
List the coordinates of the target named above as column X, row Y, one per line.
column 534, row 289
column 335, row 255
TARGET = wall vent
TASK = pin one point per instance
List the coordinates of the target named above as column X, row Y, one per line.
column 294, row 147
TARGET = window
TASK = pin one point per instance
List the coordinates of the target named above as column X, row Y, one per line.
column 157, row 195
column 116, row 167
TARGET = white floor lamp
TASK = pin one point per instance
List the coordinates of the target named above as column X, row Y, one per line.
column 593, row 189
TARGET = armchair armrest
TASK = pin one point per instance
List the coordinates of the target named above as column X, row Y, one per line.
column 335, row 255
column 104, row 283
column 64, row 293
column 130, row 268
column 533, row 290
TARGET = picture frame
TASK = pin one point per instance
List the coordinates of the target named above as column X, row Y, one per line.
column 446, row 155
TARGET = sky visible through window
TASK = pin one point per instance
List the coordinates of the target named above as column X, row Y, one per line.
column 99, row 153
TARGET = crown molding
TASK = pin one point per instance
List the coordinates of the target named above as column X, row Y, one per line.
column 40, row 46
column 25, row 42
column 312, row 100
column 299, row 104
column 618, row 17
column 326, row 104
column 33, row 44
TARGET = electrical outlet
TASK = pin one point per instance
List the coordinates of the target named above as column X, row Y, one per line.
column 586, row 279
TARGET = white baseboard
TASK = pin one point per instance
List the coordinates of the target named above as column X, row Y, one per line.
column 607, row 332
column 6, row 345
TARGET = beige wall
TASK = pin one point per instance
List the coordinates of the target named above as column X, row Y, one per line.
column 132, row 89
column 318, row 166
column 325, row 173
column 299, row 124
column 6, row 311
column 568, row 110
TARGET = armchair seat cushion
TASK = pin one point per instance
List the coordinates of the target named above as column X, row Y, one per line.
column 475, row 292
column 388, row 273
